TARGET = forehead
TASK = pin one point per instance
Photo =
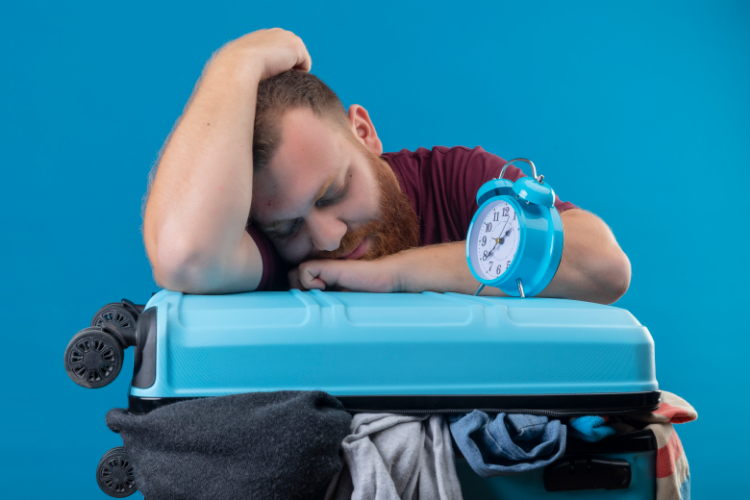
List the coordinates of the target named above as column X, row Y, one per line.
column 311, row 151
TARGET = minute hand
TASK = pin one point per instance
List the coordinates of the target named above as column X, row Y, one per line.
column 497, row 241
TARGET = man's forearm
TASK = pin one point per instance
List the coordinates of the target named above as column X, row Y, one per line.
column 200, row 199
column 593, row 268
column 437, row 268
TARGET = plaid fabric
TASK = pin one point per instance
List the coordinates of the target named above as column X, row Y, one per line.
column 672, row 469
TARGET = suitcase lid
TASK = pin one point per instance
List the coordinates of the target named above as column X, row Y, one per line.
column 414, row 351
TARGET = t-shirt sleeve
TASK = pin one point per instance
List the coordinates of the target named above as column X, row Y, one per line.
column 274, row 270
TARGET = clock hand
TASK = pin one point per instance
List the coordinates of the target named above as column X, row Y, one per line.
column 497, row 240
column 503, row 229
column 502, row 240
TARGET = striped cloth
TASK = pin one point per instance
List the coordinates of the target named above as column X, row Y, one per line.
column 672, row 469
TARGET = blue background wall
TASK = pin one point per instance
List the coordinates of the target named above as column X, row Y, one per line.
column 638, row 112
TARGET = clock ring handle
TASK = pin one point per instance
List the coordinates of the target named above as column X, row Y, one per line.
column 538, row 178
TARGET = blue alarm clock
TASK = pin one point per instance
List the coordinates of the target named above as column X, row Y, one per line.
column 515, row 239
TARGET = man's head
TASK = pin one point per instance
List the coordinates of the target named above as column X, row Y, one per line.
column 320, row 188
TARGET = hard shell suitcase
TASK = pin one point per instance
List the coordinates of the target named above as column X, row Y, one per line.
column 412, row 353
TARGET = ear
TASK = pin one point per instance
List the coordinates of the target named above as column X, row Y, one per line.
column 363, row 129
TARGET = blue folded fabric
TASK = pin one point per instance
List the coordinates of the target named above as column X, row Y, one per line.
column 590, row 428
column 507, row 444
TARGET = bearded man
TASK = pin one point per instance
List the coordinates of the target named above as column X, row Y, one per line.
column 267, row 182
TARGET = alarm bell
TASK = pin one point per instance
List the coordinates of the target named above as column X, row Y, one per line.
column 531, row 189
column 494, row 187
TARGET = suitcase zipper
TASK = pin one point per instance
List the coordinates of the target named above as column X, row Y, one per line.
column 546, row 413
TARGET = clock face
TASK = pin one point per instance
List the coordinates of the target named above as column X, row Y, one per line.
column 496, row 239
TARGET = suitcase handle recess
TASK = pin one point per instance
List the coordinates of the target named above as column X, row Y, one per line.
column 587, row 473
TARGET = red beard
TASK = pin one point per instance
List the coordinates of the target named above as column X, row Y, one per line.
column 397, row 228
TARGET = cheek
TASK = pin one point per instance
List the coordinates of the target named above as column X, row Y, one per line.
column 363, row 201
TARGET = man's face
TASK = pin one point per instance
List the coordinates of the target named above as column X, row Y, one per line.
column 325, row 195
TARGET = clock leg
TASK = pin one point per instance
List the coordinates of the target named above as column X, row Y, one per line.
column 520, row 288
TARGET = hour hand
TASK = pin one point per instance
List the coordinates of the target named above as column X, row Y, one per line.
column 502, row 239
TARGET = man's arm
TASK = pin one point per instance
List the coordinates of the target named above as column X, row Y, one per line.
column 194, row 225
column 593, row 267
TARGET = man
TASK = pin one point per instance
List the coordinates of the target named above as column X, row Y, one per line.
column 323, row 200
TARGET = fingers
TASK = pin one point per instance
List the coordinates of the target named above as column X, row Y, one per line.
column 287, row 38
column 294, row 282
column 307, row 277
column 313, row 275
column 359, row 276
column 304, row 61
column 271, row 51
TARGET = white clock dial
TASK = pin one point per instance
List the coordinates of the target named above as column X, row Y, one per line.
column 497, row 240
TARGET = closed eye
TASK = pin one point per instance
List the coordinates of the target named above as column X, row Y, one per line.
column 290, row 229
column 328, row 201
column 335, row 198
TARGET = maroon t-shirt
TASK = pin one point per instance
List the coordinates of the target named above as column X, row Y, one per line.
column 442, row 184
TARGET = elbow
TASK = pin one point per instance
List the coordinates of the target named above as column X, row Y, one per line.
column 599, row 270
column 179, row 276
column 177, row 267
column 612, row 277
column 180, row 260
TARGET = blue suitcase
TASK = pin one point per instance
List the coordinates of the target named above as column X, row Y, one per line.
column 411, row 353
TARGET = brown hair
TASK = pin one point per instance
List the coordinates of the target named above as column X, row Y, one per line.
column 291, row 89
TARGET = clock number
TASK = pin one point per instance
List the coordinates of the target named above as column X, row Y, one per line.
column 514, row 216
column 499, row 269
column 484, row 240
column 486, row 254
column 505, row 211
column 490, row 266
column 507, row 265
column 489, row 227
column 497, row 215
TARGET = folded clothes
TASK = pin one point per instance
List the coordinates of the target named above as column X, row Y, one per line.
column 392, row 457
column 672, row 469
column 507, row 443
column 590, row 428
column 275, row 445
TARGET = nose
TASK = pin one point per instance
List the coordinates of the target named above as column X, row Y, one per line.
column 326, row 231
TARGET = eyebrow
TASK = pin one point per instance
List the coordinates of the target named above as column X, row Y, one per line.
column 324, row 188
column 318, row 195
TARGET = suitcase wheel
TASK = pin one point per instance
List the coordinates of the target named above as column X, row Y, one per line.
column 93, row 358
column 120, row 318
column 115, row 475
column 116, row 314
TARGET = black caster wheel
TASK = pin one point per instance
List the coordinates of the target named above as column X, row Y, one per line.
column 93, row 358
column 115, row 315
column 115, row 475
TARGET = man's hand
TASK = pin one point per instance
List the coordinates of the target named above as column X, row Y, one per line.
column 269, row 52
column 349, row 275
